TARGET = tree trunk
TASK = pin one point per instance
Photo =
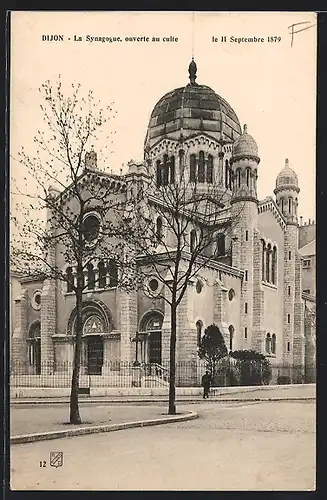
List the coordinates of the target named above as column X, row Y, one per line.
column 75, row 417
column 172, row 363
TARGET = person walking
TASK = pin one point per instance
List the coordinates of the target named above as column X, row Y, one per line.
column 206, row 382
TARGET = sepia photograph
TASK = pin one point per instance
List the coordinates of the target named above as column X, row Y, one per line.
column 162, row 250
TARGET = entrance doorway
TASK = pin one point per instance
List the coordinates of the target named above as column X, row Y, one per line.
column 94, row 353
column 153, row 331
column 155, row 347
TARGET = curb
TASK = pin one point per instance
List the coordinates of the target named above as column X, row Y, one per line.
column 123, row 401
column 81, row 431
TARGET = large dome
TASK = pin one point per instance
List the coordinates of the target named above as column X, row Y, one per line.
column 190, row 110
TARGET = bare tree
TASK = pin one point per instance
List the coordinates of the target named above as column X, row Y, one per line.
column 78, row 201
column 180, row 231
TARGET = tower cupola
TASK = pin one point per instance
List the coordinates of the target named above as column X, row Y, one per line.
column 286, row 191
column 244, row 163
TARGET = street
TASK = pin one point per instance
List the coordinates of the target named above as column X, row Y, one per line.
column 231, row 446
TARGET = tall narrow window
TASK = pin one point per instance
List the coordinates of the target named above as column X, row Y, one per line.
column 268, row 343
column 220, row 245
column 172, row 169
column 290, row 205
column 246, row 275
column 238, row 174
column 158, row 167
column 193, row 240
column 246, row 235
column 159, row 230
column 289, row 255
column 268, row 252
column 181, row 163
column 113, row 274
column 102, row 275
column 282, row 205
column 226, row 174
column 274, row 266
column 288, row 346
column 210, row 169
column 246, row 307
column 289, row 290
column 165, row 171
column 247, row 177
column 192, row 168
column 201, row 169
column 263, row 259
column 273, row 344
column 90, row 277
column 199, row 326
column 288, row 318
column 231, row 337
column 70, row 279
column 246, row 332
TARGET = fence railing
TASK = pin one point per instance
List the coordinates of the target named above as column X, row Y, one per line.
column 128, row 374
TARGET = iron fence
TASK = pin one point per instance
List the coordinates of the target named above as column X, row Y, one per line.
column 131, row 374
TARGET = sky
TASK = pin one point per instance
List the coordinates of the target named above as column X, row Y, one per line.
column 270, row 85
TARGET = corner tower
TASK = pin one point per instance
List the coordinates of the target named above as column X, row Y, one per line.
column 244, row 211
column 286, row 191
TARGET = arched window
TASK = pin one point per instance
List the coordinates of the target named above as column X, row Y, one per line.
column 102, row 275
column 226, row 174
column 193, row 240
column 220, row 245
column 290, row 206
column 159, row 229
column 274, row 266
column 230, row 177
column 263, row 259
column 34, row 346
column 247, row 177
column 201, row 170
column 238, row 176
column 273, row 344
column 268, row 343
column 90, row 277
column 172, row 169
column 113, row 274
column 165, row 173
column 210, row 169
column 231, row 336
column 268, row 257
column 199, row 326
column 181, row 162
column 158, row 168
column 192, row 168
column 70, row 279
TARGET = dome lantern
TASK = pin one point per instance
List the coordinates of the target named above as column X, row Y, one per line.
column 192, row 69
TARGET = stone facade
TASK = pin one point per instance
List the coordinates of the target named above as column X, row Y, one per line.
column 254, row 294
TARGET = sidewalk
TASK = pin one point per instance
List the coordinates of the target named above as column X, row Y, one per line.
column 290, row 392
column 36, row 419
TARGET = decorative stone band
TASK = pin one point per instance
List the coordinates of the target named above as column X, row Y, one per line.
column 115, row 334
column 237, row 199
column 290, row 187
column 242, row 155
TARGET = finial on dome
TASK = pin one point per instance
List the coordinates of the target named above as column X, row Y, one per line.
column 192, row 71
column 286, row 162
column 245, row 128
